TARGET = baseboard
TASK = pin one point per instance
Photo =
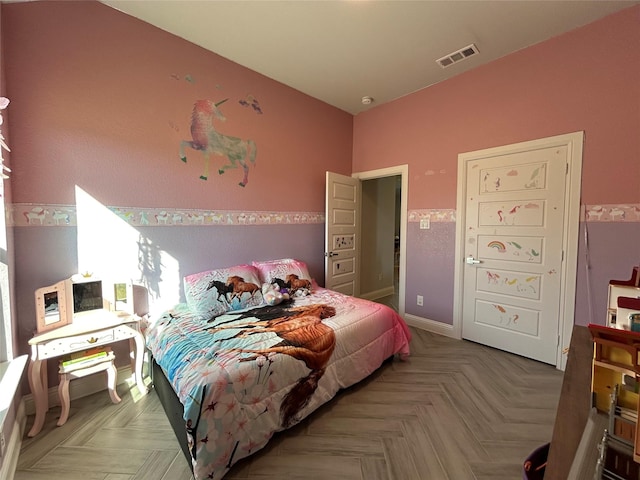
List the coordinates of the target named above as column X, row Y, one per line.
column 10, row 460
column 431, row 326
column 78, row 388
column 383, row 292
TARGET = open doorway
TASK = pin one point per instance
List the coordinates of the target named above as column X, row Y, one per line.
column 380, row 248
column 383, row 236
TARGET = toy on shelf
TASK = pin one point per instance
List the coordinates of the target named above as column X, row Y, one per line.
column 623, row 306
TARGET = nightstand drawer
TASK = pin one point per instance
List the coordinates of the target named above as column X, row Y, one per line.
column 62, row 346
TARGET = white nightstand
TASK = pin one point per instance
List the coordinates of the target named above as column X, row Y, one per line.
column 88, row 330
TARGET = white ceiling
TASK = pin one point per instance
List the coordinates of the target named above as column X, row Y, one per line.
column 340, row 51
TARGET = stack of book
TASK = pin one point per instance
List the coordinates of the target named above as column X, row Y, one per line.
column 627, row 413
column 84, row 358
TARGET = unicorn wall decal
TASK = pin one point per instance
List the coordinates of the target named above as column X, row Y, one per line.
column 209, row 141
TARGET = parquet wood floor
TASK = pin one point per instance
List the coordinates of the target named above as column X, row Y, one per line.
column 454, row 411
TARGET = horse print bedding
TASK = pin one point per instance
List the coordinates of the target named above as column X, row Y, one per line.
column 246, row 374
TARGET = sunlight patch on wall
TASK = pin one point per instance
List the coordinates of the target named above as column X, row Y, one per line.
column 116, row 252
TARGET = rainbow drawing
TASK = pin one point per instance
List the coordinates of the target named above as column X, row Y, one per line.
column 497, row 245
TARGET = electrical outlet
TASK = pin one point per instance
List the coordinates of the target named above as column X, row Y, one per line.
column 425, row 223
column 420, row 300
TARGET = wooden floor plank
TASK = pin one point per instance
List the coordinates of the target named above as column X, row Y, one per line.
column 93, row 460
column 374, row 469
column 155, row 466
column 400, row 462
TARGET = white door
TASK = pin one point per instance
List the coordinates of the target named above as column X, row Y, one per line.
column 342, row 230
column 513, row 250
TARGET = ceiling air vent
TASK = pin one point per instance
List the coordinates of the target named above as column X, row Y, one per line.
column 458, row 56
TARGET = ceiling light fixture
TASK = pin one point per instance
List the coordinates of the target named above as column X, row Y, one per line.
column 367, row 100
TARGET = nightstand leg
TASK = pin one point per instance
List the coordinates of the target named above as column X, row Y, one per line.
column 112, row 375
column 63, row 393
column 37, row 370
column 139, row 355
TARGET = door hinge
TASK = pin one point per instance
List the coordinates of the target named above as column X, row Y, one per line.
column 558, row 344
column 566, row 172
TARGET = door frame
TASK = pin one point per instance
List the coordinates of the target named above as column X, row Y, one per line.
column 574, row 143
column 403, row 171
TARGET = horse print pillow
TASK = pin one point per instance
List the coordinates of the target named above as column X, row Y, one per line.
column 215, row 292
column 287, row 273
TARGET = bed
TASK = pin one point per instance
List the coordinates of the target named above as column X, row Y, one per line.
column 231, row 369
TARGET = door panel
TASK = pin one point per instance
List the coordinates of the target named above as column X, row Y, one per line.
column 341, row 233
column 515, row 319
column 514, row 228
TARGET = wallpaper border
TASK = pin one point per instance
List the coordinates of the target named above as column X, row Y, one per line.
column 590, row 213
column 53, row 215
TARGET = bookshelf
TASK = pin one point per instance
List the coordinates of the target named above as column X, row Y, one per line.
column 616, row 371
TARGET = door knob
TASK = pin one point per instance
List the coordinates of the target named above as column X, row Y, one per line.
column 330, row 254
column 472, row 261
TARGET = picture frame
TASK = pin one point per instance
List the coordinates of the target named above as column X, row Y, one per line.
column 51, row 307
column 123, row 297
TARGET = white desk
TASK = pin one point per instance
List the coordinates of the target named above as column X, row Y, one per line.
column 86, row 331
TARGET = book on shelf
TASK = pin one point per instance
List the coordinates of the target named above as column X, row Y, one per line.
column 84, row 356
column 627, row 413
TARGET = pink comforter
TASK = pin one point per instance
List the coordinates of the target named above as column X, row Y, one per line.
column 245, row 375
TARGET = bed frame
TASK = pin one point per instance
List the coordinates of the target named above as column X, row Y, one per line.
column 172, row 406
column 174, row 409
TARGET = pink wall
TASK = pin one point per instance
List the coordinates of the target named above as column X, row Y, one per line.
column 102, row 100
column 587, row 79
column 6, row 191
